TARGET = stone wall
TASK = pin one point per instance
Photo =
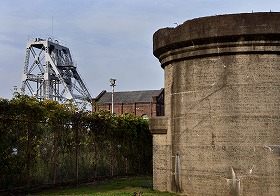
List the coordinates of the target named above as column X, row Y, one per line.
column 220, row 134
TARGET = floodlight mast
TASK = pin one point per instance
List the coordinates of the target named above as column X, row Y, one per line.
column 50, row 73
column 113, row 84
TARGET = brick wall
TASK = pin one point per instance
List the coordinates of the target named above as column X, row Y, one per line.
column 138, row 109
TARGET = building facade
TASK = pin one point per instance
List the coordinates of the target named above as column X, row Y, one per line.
column 220, row 134
column 146, row 103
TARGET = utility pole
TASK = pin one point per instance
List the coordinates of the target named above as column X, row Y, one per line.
column 113, row 84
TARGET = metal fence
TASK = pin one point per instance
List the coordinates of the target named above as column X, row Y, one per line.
column 38, row 154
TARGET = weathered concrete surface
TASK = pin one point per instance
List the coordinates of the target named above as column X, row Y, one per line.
column 221, row 130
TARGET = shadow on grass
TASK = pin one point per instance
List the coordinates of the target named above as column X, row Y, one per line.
column 120, row 186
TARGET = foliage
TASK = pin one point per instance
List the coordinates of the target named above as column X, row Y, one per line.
column 43, row 142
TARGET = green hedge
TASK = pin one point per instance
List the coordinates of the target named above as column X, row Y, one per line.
column 43, row 142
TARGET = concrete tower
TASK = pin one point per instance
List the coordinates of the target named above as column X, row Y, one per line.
column 50, row 73
column 221, row 131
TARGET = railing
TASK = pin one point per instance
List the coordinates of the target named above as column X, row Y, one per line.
column 49, row 38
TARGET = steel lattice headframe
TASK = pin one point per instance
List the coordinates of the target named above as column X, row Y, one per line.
column 50, row 73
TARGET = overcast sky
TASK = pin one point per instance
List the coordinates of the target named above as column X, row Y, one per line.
column 107, row 38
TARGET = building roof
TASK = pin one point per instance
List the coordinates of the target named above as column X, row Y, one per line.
column 128, row 96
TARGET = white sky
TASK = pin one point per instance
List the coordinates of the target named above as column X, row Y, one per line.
column 107, row 38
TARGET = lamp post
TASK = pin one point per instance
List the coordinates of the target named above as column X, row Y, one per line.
column 113, row 84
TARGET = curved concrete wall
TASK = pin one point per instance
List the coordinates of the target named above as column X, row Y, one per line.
column 221, row 130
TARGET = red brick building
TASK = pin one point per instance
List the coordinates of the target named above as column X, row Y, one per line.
column 144, row 103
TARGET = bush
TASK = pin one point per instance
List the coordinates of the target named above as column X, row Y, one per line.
column 46, row 142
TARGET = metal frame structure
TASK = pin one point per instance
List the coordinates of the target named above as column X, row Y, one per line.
column 50, row 73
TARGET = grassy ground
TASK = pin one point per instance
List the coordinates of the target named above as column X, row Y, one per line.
column 117, row 187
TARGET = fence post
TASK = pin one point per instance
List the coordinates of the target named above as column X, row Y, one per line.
column 28, row 152
column 112, row 159
column 76, row 150
column 54, row 155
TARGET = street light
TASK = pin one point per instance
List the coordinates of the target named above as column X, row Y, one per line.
column 113, row 84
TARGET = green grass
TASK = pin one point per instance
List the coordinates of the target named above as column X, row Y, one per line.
column 116, row 187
